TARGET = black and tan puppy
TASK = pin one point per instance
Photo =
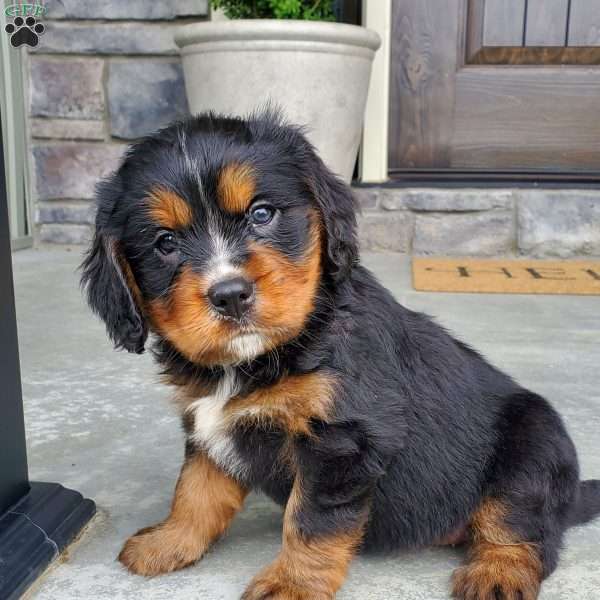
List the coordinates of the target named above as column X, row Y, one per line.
column 297, row 374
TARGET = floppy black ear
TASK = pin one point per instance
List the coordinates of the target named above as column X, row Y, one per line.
column 107, row 278
column 338, row 211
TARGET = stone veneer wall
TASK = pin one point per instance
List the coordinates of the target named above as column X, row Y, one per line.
column 481, row 222
column 104, row 73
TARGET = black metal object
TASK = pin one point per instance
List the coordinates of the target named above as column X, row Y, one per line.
column 13, row 459
column 37, row 520
column 35, row 531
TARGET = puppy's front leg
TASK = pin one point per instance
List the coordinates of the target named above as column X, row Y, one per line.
column 205, row 502
column 311, row 565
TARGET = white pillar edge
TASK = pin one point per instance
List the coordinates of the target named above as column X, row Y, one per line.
column 373, row 159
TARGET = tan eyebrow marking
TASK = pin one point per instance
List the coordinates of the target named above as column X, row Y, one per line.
column 169, row 209
column 236, row 187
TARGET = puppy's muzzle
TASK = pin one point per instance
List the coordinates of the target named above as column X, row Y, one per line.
column 232, row 298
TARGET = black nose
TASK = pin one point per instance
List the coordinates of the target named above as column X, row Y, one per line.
column 232, row 297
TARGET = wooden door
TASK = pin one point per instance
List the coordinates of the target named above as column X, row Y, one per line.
column 495, row 85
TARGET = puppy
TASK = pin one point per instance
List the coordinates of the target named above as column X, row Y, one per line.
column 297, row 374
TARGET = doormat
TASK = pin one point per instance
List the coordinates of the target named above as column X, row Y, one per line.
column 506, row 276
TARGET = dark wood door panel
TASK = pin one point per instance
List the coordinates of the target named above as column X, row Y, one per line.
column 424, row 55
column 495, row 84
column 528, row 118
column 536, row 22
column 546, row 22
column 584, row 23
column 503, row 22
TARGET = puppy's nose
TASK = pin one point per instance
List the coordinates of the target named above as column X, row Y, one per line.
column 232, row 297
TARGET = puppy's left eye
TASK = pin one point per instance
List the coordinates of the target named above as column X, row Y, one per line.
column 262, row 214
column 166, row 243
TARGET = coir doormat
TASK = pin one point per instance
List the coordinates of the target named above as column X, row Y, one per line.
column 506, row 276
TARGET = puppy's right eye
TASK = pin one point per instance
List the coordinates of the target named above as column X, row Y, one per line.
column 166, row 243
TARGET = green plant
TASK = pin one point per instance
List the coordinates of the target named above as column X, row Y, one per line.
column 308, row 10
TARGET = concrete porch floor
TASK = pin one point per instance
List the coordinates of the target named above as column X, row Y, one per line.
column 98, row 422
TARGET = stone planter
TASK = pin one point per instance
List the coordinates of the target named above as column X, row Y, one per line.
column 317, row 72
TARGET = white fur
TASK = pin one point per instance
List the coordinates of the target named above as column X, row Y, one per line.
column 220, row 266
column 222, row 269
column 211, row 427
column 247, row 346
column 191, row 165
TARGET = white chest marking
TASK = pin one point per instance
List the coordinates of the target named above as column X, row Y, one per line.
column 211, row 426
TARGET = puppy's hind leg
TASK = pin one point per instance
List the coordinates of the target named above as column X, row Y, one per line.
column 501, row 565
column 516, row 532
column 205, row 502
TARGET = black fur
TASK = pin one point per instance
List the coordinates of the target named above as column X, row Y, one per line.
column 108, row 293
column 423, row 428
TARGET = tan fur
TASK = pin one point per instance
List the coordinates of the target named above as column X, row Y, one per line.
column 498, row 560
column 285, row 294
column 305, row 568
column 170, row 210
column 186, row 320
column 285, row 289
column 204, row 504
column 290, row 403
column 236, row 187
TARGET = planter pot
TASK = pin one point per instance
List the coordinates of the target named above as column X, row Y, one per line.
column 317, row 72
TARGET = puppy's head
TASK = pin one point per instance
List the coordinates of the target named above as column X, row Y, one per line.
column 217, row 234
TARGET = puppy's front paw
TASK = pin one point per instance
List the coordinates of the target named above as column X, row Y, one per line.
column 159, row 549
column 272, row 584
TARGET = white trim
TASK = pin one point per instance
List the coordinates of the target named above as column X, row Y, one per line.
column 21, row 243
column 373, row 162
column 12, row 102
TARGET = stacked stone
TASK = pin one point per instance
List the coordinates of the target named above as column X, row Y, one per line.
column 481, row 222
column 104, row 74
